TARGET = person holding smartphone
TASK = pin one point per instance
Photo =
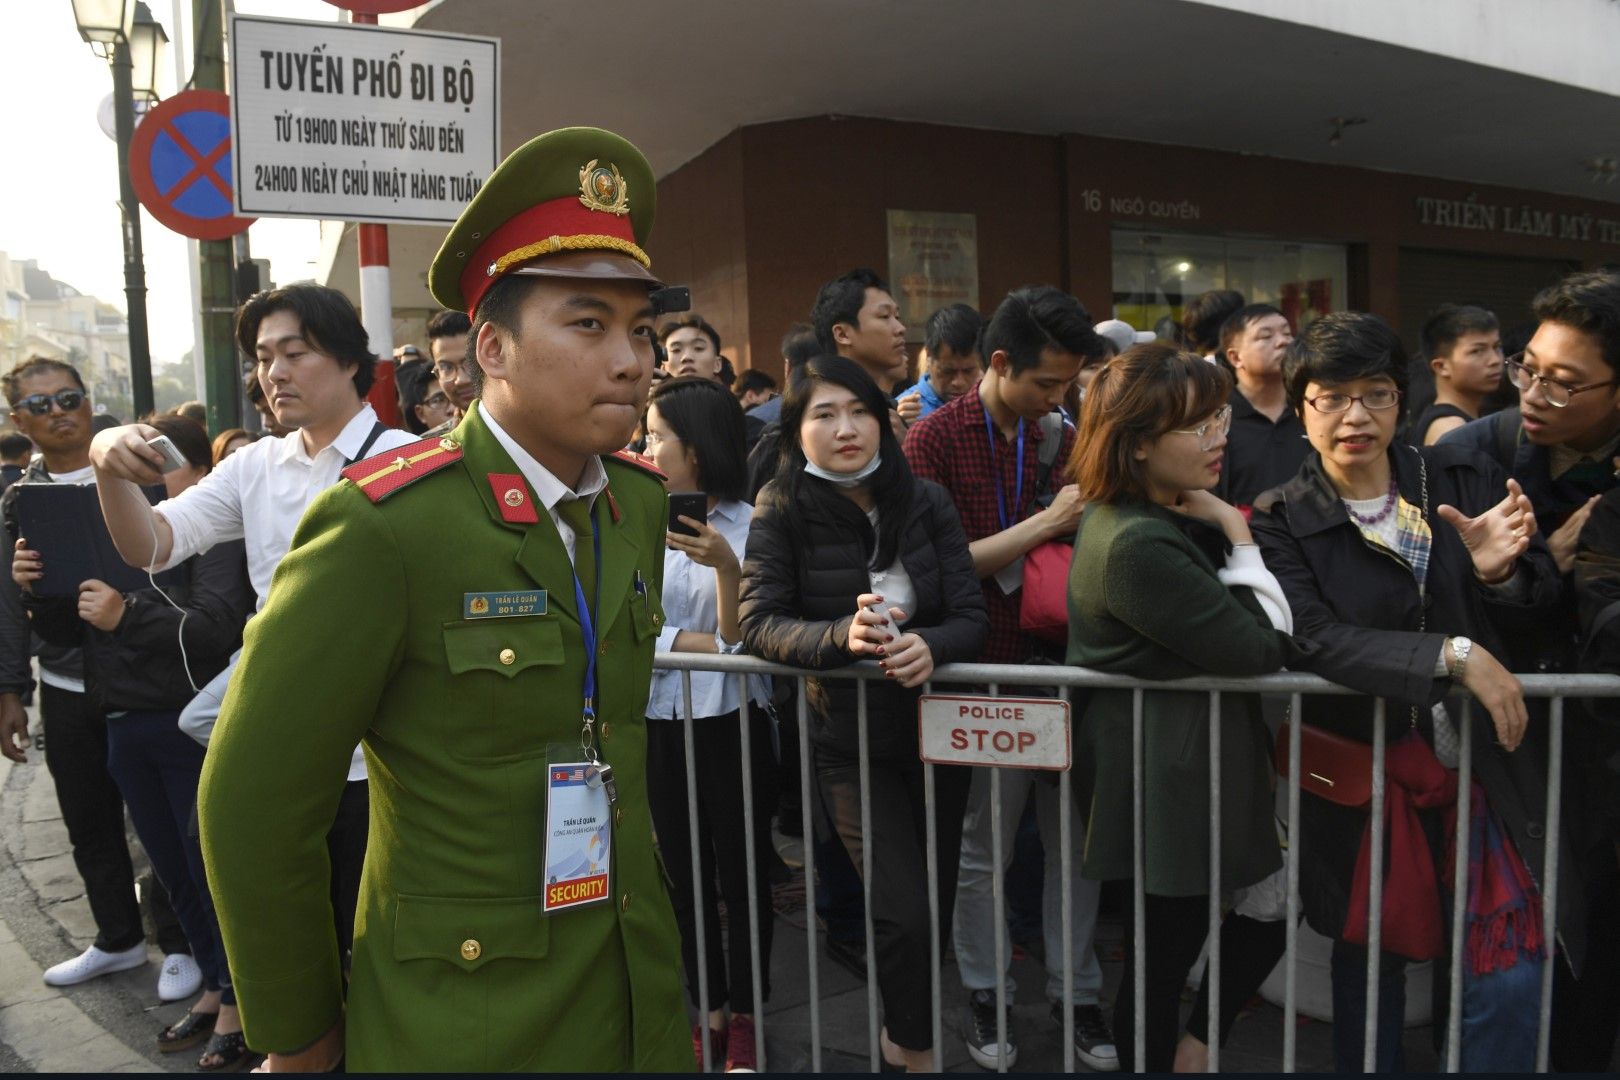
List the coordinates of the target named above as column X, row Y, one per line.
column 696, row 437
column 851, row 557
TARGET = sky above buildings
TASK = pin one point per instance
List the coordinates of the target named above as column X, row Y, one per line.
column 59, row 191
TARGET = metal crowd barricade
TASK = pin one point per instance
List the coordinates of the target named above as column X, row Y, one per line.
column 996, row 676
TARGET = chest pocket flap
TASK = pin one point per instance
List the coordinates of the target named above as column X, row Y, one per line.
column 504, row 646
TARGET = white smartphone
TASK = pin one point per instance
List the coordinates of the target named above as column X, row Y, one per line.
column 172, row 458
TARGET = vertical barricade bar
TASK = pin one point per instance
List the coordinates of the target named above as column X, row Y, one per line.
column 934, row 914
column 752, row 862
column 1375, row 890
column 1549, row 880
column 1291, row 950
column 697, row 867
column 998, row 905
column 863, row 752
column 1066, row 904
column 1212, row 969
column 1459, row 885
column 808, row 805
column 1139, row 887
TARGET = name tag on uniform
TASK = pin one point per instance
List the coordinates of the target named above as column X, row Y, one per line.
column 579, row 837
column 501, row 605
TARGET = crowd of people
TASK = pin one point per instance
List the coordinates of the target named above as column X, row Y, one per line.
column 1244, row 496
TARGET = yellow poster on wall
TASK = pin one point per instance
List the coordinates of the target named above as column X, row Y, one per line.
column 933, row 261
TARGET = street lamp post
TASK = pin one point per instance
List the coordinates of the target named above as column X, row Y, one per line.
column 125, row 33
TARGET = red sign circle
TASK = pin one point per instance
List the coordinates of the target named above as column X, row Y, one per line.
column 179, row 165
column 376, row 7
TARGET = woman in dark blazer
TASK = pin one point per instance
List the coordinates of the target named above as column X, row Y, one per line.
column 850, row 557
column 1390, row 555
column 1167, row 583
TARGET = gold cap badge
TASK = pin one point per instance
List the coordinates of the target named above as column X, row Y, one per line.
column 602, row 188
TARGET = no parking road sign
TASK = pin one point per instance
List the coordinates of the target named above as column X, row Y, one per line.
column 180, row 165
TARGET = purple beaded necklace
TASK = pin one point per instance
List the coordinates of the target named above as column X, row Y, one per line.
column 1389, row 505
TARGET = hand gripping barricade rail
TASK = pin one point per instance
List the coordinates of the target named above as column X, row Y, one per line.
column 1555, row 687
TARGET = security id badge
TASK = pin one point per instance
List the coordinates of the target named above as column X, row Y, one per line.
column 579, row 837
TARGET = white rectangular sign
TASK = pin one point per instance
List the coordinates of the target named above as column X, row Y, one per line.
column 360, row 123
column 1024, row 733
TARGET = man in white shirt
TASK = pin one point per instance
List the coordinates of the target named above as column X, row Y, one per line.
column 315, row 366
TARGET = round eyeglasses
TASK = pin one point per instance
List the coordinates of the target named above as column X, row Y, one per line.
column 1555, row 391
column 1211, row 431
column 1376, row 399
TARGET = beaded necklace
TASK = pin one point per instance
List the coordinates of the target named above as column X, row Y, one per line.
column 1389, row 506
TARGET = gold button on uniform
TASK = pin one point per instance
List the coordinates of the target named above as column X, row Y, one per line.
column 601, row 650
column 508, row 657
column 471, row 950
column 624, row 902
column 618, row 815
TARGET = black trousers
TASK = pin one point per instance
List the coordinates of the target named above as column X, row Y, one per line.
column 93, row 811
column 899, row 884
column 157, row 768
column 1174, row 931
column 346, row 847
column 722, row 849
column 1250, row 950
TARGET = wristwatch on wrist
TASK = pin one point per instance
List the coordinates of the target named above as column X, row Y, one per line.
column 1460, row 648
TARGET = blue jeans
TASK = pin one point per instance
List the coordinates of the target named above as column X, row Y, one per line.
column 1500, row 1021
column 157, row 768
column 1350, row 1009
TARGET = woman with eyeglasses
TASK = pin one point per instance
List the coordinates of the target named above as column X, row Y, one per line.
column 1167, row 583
column 1407, row 568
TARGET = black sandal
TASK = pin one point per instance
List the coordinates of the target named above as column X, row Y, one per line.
column 231, row 1049
column 190, row 1031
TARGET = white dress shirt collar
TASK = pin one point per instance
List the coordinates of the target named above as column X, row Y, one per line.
column 546, row 487
column 290, row 446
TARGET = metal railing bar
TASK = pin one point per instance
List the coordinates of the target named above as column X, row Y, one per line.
column 1459, row 886
column 1549, row 889
column 1291, row 950
column 808, row 806
column 1212, row 967
column 695, row 850
column 1375, row 889
column 863, row 747
column 1066, row 907
column 1139, row 890
column 755, row 968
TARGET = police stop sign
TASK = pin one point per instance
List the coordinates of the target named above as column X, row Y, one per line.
column 1024, row 733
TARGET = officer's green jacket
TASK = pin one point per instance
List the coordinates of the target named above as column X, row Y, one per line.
column 363, row 639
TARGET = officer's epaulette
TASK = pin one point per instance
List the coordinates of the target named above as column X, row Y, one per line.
column 387, row 472
column 635, row 461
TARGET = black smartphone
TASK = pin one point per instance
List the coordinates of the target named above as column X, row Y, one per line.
column 692, row 504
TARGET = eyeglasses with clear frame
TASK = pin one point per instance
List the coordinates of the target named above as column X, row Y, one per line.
column 436, row 400
column 1211, row 431
column 653, row 439
column 1556, row 391
column 1375, row 400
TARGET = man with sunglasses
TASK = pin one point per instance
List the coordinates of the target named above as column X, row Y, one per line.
column 1560, row 444
column 50, row 406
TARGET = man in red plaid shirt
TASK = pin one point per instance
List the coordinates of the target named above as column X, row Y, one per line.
column 985, row 449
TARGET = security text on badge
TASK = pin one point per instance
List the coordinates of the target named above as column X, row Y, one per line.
column 1024, row 733
column 579, row 837
column 503, row 605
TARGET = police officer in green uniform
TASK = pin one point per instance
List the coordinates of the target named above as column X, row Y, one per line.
column 480, row 612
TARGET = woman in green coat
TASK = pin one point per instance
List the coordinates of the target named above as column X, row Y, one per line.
column 1167, row 583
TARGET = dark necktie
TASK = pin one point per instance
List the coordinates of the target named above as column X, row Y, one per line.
column 576, row 513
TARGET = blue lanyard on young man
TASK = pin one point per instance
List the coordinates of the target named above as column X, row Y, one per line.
column 587, row 630
column 1008, row 520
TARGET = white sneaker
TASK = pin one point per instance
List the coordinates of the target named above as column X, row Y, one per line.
column 94, row 963
column 180, row 977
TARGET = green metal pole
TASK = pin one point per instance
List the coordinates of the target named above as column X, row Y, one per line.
column 222, row 361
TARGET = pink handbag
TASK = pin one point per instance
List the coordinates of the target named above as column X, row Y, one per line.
column 1044, row 606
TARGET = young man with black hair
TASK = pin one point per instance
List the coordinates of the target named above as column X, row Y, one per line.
column 691, row 347
column 1463, row 346
column 447, row 343
column 951, row 343
column 799, row 344
column 1203, row 317
column 1561, row 445
column 991, row 449
column 1267, row 444
column 856, row 316
column 753, row 387
column 314, row 366
column 49, row 405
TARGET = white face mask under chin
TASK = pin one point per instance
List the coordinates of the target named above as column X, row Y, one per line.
column 845, row 480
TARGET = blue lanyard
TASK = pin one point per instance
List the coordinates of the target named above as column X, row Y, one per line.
column 587, row 630
column 1007, row 519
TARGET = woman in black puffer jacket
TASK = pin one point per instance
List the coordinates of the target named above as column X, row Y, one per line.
column 851, row 557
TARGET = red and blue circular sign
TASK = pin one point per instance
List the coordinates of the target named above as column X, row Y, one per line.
column 180, row 165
